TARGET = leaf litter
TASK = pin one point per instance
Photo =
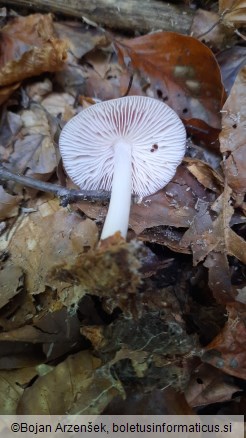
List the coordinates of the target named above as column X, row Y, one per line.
column 167, row 307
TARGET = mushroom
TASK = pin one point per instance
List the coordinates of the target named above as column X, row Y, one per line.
column 128, row 145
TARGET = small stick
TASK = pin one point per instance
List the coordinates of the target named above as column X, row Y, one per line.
column 66, row 196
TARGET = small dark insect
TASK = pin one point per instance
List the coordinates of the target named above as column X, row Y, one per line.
column 154, row 148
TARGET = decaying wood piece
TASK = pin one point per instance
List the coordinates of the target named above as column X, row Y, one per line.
column 128, row 15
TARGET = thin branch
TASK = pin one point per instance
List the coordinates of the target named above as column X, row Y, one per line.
column 66, row 196
column 129, row 86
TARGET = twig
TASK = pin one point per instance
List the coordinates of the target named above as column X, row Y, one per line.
column 66, row 196
column 240, row 34
column 129, row 86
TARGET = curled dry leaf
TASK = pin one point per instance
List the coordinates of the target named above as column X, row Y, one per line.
column 205, row 174
column 232, row 137
column 29, row 47
column 46, row 238
column 233, row 12
column 173, row 64
column 9, row 204
column 76, row 386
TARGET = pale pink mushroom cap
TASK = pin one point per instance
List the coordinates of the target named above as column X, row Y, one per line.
column 144, row 132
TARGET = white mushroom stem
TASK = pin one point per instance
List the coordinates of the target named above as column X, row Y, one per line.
column 120, row 201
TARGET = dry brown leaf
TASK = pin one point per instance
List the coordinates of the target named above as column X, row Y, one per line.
column 206, row 175
column 227, row 351
column 81, row 39
column 173, row 64
column 9, row 204
column 215, row 240
column 207, row 27
column 233, row 11
column 34, row 148
column 12, row 384
column 103, row 75
column 232, row 137
column 231, row 61
column 208, row 385
column 167, row 236
column 11, row 283
column 76, row 386
column 10, row 127
column 29, row 47
column 47, row 237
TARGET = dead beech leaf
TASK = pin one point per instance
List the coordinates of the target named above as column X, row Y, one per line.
column 9, row 204
column 215, row 240
column 12, row 384
column 232, row 137
column 46, row 238
column 206, row 175
column 103, row 75
column 34, row 148
column 76, row 386
column 231, row 61
column 11, row 283
column 208, row 385
column 227, row 351
column 234, row 12
column 207, row 27
column 174, row 66
column 29, row 47
column 81, row 39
